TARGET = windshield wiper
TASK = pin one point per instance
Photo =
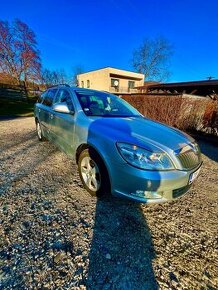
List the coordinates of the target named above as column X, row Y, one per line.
column 118, row 116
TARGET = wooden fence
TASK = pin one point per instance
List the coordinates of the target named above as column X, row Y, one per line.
column 13, row 91
column 18, row 92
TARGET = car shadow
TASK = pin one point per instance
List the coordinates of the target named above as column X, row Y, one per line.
column 209, row 149
column 121, row 251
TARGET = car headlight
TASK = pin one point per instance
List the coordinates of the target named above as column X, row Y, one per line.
column 143, row 158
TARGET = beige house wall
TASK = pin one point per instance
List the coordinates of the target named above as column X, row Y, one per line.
column 98, row 79
column 101, row 80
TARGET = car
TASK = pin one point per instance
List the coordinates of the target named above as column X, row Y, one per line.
column 117, row 149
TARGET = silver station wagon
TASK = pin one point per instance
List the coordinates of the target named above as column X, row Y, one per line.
column 116, row 148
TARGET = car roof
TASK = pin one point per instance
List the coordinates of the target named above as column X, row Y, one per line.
column 84, row 90
column 76, row 89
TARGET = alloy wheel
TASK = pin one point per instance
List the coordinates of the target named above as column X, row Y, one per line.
column 90, row 173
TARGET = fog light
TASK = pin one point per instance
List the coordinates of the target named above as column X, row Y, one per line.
column 148, row 194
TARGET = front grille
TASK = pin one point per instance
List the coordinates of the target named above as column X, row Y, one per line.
column 189, row 159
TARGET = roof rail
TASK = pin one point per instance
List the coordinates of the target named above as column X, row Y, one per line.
column 59, row 85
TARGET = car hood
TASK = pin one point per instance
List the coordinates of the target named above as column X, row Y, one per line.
column 142, row 132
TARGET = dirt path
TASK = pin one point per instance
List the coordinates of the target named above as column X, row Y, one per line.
column 53, row 235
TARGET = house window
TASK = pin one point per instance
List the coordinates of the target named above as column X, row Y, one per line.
column 88, row 83
column 115, row 83
column 82, row 84
column 131, row 84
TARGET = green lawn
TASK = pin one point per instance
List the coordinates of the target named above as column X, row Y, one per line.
column 19, row 108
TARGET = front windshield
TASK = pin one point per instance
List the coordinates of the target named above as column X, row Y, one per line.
column 105, row 105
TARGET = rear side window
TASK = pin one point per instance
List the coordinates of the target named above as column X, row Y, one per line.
column 48, row 98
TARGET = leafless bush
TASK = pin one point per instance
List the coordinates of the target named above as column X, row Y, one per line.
column 183, row 112
column 210, row 120
column 199, row 114
column 160, row 108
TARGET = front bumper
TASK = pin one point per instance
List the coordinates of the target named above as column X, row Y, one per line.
column 149, row 186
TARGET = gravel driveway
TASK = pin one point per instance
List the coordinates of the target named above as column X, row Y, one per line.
column 53, row 235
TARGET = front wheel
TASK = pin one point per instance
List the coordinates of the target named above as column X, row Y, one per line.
column 93, row 173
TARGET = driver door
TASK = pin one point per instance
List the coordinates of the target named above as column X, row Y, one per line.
column 63, row 124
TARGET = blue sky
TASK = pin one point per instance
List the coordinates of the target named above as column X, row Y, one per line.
column 96, row 34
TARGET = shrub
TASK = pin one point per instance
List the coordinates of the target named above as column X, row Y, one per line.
column 184, row 112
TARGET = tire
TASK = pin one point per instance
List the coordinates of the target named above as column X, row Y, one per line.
column 93, row 173
column 39, row 131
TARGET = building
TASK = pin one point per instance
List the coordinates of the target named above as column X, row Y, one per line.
column 111, row 80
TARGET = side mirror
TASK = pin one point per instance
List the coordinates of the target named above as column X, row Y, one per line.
column 61, row 108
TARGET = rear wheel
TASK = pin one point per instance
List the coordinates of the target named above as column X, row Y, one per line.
column 39, row 131
column 93, row 173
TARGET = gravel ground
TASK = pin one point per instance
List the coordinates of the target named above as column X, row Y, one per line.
column 53, row 235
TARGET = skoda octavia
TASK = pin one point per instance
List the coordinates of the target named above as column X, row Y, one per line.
column 116, row 148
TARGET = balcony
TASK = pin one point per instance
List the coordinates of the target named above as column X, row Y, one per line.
column 123, row 90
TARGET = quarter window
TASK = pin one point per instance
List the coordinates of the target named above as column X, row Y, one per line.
column 88, row 83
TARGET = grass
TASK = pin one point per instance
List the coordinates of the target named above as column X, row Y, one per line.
column 18, row 108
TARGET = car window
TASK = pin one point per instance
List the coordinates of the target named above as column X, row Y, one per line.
column 41, row 97
column 48, row 98
column 63, row 96
column 105, row 105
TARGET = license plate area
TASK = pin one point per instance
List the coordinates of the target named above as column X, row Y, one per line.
column 194, row 175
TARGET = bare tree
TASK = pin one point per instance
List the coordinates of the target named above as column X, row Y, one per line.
column 9, row 61
column 26, row 46
column 53, row 77
column 78, row 69
column 46, row 77
column 152, row 59
column 19, row 56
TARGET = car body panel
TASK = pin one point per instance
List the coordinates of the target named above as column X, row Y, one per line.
column 44, row 117
column 62, row 130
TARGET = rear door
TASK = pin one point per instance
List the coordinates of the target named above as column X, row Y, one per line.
column 38, row 106
column 63, row 125
column 45, row 111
